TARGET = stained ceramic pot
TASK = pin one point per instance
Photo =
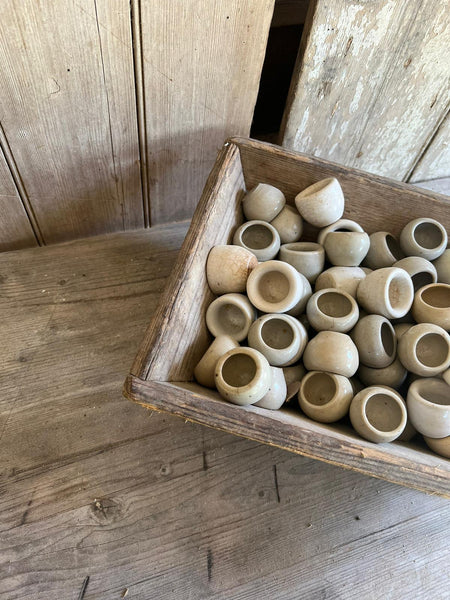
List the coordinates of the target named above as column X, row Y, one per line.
column 205, row 369
column 332, row 310
column 432, row 305
column 289, row 224
column 258, row 237
column 345, row 279
column 307, row 257
column 393, row 375
column 442, row 265
column 276, row 287
column 243, row 376
column 228, row 268
column 384, row 251
column 321, row 203
column 388, row 292
column 346, row 248
column 230, row 314
column 424, row 237
column 263, row 203
column 428, row 403
column 440, row 446
column 279, row 337
column 276, row 396
column 421, row 270
column 378, row 414
column 425, row 350
column 339, row 225
column 375, row 339
column 332, row 352
column 325, row 397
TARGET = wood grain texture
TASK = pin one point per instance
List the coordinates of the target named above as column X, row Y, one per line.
column 370, row 87
column 435, row 162
column 202, row 62
column 68, row 112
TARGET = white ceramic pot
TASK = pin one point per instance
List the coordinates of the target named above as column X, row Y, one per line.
column 332, row 352
column 258, row 237
column 375, row 339
column 440, row 446
column 384, row 250
column 325, row 397
column 276, row 396
column 332, row 310
column 321, row 203
column 432, row 305
column 289, row 224
column 230, row 314
column 388, row 292
column 424, row 237
column 378, row 414
column 428, row 403
column 425, row 350
column 205, row 369
column 442, row 265
column 279, row 337
column 228, row 268
column 393, row 375
column 346, row 248
column 339, row 225
column 421, row 270
column 345, row 279
column 263, row 203
column 307, row 257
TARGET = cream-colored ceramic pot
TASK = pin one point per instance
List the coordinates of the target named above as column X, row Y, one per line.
column 384, row 250
column 388, row 292
column 332, row 352
column 230, row 314
column 332, row 310
column 339, row 225
column 428, row 403
column 307, row 257
column 432, row 305
column 321, row 203
column 346, row 248
column 439, row 445
column 393, row 375
column 263, row 203
column 276, row 396
column 378, row 414
column 345, row 279
column 279, row 337
column 424, row 237
column 289, row 224
column 228, row 268
column 425, row 350
column 325, row 397
column 205, row 369
column 421, row 270
column 442, row 265
column 375, row 339
column 258, row 237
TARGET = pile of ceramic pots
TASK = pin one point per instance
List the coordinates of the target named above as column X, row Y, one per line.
column 373, row 333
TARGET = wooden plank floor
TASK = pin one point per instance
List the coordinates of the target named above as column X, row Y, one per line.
column 150, row 507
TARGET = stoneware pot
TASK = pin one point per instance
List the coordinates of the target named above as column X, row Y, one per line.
column 321, row 203
column 384, row 250
column 276, row 396
column 230, row 314
column 243, row 376
column 258, row 237
column 388, row 292
column 289, row 224
column 276, row 287
column 428, row 403
column 439, row 445
column 332, row 310
column 332, row 352
column 325, row 397
column 307, row 257
column 340, row 225
column 425, row 350
column 375, row 339
column 294, row 373
column 228, row 268
column 280, row 338
column 205, row 369
column 432, row 305
column 421, row 270
column 424, row 237
column 393, row 375
column 346, row 248
column 263, row 203
column 345, row 279
column 442, row 265
column 378, row 414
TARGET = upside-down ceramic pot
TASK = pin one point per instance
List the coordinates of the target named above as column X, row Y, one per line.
column 204, row 371
column 325, row 397
column 263, row 203
column 439, row 445
column 228, row 268
column 388, row 291
column 332, row 352
column 276, row 396
column 279, row 337
column 432, row 305
column 339, row 225
column 342, row 278
column 442, row 265
column 321, row 203
column 289, row 224
column 332, row 310
column 384, row 250
column 428, row 403
column 421, row 270
column 258, row 237
column 243, row 376
column 346, row 248
column 378, row 414
column 230, row 314
column 424, row 237
column 393, row 375
column 425, row 350
column 375, row 339
column 307, row 257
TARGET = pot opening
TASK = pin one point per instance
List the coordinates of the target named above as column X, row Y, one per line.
column 436, row 394
column 334, row 304
column 231, row 318
column 387, row 339
column 277, row 333
column 273, row 286
column 432, row 350
column 428, row 235
column 257, row 237
column 383, row 412
column 319, row 389
column 394, row 247
column 302, row 247
column 437, row 296
column 239, row 370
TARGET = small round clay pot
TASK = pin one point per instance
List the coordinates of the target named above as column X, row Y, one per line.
column 378, row 414
column 421, row 270
column 258, row 237
column 425, row 350
column 424, row 237
column 432, row 305
column 401, row 328
column 332, row 352
column 440, row 446
column 321, row 203
column 393, row 375
column 276, row 396
column 280, row 338
column 294, row 373
column 204, row 371
column 243, row 376
column 307, row 257
column 325, row 397
column 384, row 251
column 289, row 224
column 228, row 268
column 230, row 314
column 263, row 203
column 276, row 287
column 442, row 265
column 332, row 310
column 375, row 339
column 346, row 248
column 388, row 292
column 428, row 403
column 340, row 225
column 345, row 279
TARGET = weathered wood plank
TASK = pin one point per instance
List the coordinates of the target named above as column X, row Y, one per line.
column 435, row 162
column 370, row 85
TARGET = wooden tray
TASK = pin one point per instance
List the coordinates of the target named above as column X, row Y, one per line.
column 162, row 375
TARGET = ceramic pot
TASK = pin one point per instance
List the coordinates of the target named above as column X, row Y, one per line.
column 388, row 292
column 294, row 373
column 340, row 225
column 446, row 376
column 384, row 251
column 276, row 287
column 325, row 397
column 442, row 265
column 230, row 314
column 204, row 371
column 289, row 224
column 228, row 267
column 307, row 257
column 432, row 305
column 263, row 203
column 439, row 445
column 401, row 328
column 332, row 352
column 345, row 279
column 375, row 339
column 425, row 350
column 378, row 414
column 423, row 237
column 421, row 270
column 332, row 310
column 393, row 375
column 243, row 376
column 321, row 203
column 346, row 248
column 280, row 338
column 428, row 403
column 276, row 396
column 258, row 237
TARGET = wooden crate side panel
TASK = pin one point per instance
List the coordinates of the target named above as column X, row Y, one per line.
column 435, row 163
column 370, row 85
